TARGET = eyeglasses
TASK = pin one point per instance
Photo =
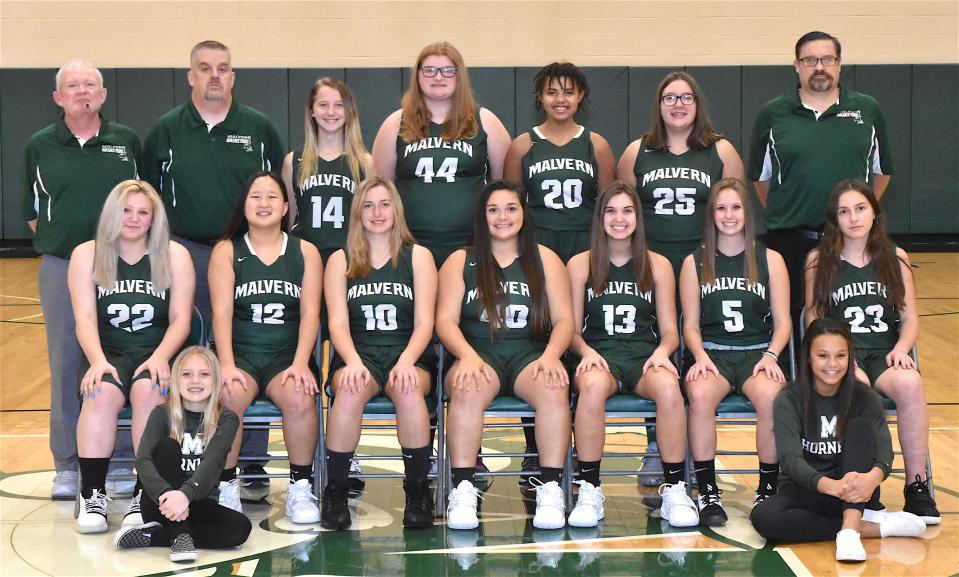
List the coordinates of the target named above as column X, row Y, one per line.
column 811, row 61
column 671, row 99
column 446, row 71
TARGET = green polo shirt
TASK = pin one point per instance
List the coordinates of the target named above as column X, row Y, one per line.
column 803, row 158
column 66, row 183
column 199, row 171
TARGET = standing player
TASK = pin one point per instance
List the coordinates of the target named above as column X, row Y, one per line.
column 265, row 288
column 858, row 276
column 440, row 148
column 507, row 333
column 562, row 165
column 826, row 492
column 624, row 308
column 381, row 294
column 735, row 295
column 198, row 156
column 132, row 293
column 673, row 167
column 324, row 172
column 71, row 166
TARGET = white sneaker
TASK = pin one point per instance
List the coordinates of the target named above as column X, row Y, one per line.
column 589, row 508
column 230, row 495
column 677, row 507
column 550, row 507
column 301, row 504
column 65, row 486
column 899, row 524
column 121, row 482
column 849, row 546
column 461, row 511
column 133, row 517
column 93, row 513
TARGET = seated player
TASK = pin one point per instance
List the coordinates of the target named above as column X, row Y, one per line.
column 624, row 308
column 381, row 296
column 508, row 334
column 132, row 293
column 265, row 288
column 858, row 276
column 735, row 298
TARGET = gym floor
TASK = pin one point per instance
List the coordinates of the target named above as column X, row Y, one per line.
column 37, row 535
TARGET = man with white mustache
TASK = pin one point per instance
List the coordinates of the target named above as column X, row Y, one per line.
column 198, row 157
column 72, row 165
column 806, row 141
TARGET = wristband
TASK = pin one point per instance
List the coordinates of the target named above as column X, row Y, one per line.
column 771, row 354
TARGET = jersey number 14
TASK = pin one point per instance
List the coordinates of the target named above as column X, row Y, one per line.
column 333, row 213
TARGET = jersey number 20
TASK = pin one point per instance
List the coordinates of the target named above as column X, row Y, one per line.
column 571, row 190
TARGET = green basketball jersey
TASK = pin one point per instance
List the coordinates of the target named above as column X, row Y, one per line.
column 380, row 305
column 132, row 314
column 622, row 318
column 560, row 181
column 733, row 311
column 266, row 299
column 673, row 189
column 859, row 300
column 515, row 321
column 439, row 182
column 323, row 201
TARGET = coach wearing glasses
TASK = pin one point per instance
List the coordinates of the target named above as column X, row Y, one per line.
column 440, row 149
column 806, row 141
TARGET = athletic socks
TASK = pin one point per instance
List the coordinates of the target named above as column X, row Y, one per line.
column 338, row 468
column 298, row 472
column 550, row 474
column 706, row 476
column 768, row 478
column 589, row 472
column 461, row 474
column 228, row 474
column 93, row 475
column 673, row 472
column 416, row 462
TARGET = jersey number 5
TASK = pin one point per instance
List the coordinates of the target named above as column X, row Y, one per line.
column 424, row 169
column 734, row 319
column 683, row 201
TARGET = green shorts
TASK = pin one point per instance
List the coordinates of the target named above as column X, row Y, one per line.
column 125, row 363
column 565, row 243
column 380, row 360
column 263, row 367
column 508, row 357
column 441, row 252
column 736, row 366
column 627, row 366
column 872, row 362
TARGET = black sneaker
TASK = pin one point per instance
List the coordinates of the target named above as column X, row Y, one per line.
column 182, row 549
column 419, row 505
column 336, row 511
column 530, row 468
column 711, row 512
column 761, row 496
column 919, row 502
column 254, row 490
column 130, row 536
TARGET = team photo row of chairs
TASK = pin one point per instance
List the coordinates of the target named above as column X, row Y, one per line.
column 521, row 333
